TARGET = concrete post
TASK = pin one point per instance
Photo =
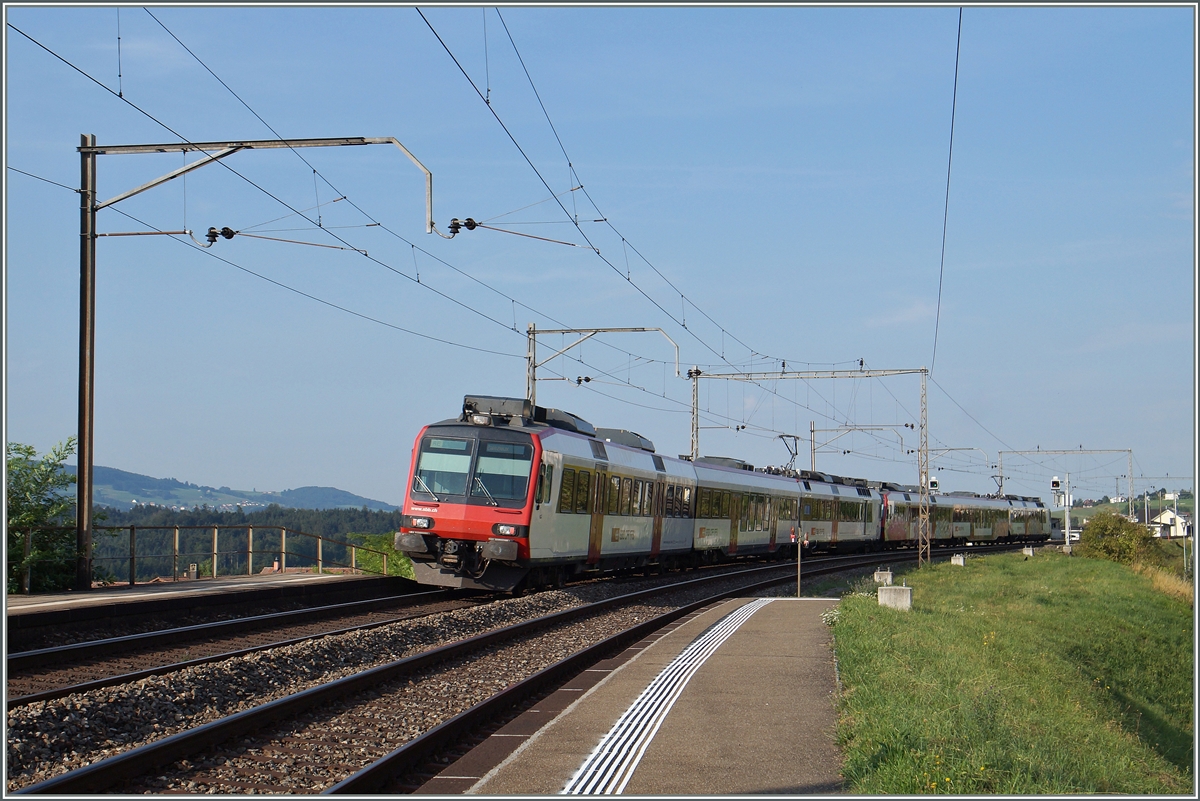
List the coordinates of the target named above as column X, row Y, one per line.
column 896, row 597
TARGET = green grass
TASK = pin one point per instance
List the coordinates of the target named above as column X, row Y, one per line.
column 1046, row 675
column 398, row 563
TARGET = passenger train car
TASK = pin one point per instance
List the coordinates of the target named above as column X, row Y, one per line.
column 510, row 495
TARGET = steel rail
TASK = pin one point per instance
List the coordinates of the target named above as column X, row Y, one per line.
column 376, row 777
column 108, row 772
column 24, row 660
column 125, row 678
column 105, row 773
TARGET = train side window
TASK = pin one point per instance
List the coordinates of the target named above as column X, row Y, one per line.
column 626, row 489
column 705, row 502
column 725, row 496
column 669, row 511
column 687, row 503
column 549, row 484
column 650, row 499
column 746, row 513
column 870, row 513
column 566, row 494
column 614, row 495
column 583, row 488
column 638, row 497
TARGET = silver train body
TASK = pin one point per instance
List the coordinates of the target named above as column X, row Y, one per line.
column 570, row 499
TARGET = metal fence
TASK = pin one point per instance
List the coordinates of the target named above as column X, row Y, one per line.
column 142, row 554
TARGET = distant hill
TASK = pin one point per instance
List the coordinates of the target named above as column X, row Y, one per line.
column 121, row 489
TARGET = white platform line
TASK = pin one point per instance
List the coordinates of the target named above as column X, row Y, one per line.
column 611, row 764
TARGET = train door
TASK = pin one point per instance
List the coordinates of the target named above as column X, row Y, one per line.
column 656, row 510
column 772, row 521
column 596, row 531
column 739, row 508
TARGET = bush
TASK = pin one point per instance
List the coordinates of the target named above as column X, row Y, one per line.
column 39, row 504
column 1111, row 536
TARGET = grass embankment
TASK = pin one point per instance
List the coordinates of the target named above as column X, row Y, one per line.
column 1046, row 675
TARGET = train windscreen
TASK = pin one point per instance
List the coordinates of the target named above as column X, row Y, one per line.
column 502, row 470
column 443, row 466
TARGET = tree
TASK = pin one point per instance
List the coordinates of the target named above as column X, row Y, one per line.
column 1112, row 536
column 38, row 505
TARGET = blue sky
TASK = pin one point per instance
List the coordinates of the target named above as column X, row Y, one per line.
column 783, row 168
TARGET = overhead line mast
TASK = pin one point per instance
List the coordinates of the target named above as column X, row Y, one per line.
column 88, row 206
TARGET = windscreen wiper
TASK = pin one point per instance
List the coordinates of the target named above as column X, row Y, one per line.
column 417, row 476
column 491, row 500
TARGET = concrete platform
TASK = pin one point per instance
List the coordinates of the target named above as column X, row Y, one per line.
column 756, row 716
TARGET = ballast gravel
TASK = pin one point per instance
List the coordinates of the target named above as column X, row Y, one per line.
column 46, row 739
column 322, row 747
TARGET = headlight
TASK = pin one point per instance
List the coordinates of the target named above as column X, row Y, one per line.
column 420, row 522
column 481, row 419
column 509, row 530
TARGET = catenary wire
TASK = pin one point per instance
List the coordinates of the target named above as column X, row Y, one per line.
column 322, row 300
column 680, row 322
column 330, row 184
column 946, row 214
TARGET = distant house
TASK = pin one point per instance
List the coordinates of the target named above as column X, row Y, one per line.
column 1169, row 525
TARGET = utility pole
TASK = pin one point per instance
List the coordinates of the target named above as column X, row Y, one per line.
column 812, row 436
column 87, row 364
column 694, row 374
column 922, row 459
column 88, row 206
column 532, row 364
column 1067, row 512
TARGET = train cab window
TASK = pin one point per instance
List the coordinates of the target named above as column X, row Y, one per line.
column 583, row 491
column 566, row 493
column 626, row 489
column 502, row 471
column 614, row 495
column 442, row 466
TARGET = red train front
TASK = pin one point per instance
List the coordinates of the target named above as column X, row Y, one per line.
column 470, row 495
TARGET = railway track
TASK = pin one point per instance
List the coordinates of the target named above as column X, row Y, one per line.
column 322, row 736
column 48, row 673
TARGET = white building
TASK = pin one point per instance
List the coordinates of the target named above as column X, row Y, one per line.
column 1169, row 524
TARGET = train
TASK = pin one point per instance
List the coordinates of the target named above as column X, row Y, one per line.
column 509, row 496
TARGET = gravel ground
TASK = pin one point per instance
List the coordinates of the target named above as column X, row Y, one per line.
column 50, row 738
column 323, row 747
